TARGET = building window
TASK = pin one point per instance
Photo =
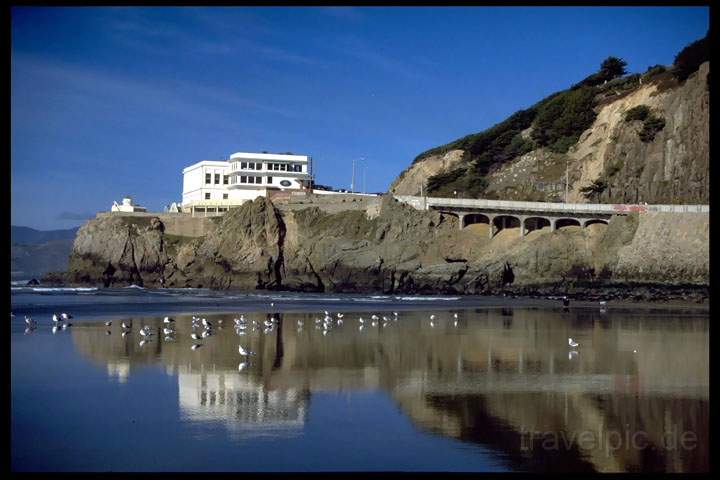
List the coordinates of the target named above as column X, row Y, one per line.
column 225, row 196
column 226, row 179
column 243, row 165
column 207, row 196
column 208, row 178
column 217, row 179
column 258, row 166
column 298, row 168
column 243, row 179
column 269, row 181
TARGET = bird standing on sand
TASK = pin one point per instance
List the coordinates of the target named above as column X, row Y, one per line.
column 572, row 343
column 29, row 321
column 56, row 318
column 242, row 351
column 168, row 320
column 65, row 317
column 107, row 324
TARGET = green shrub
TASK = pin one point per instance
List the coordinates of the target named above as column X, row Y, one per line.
column 640, row 112
column 436, row 181
column 691, row 57
column 651, row 126
column 560, row 121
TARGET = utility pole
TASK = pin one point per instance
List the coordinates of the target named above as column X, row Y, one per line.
column 352, row 182
column 364, row 177
column 567, row 180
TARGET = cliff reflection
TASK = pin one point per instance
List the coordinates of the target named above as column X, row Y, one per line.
column 510, row 386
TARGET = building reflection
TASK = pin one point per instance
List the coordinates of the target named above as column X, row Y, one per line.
column 508, row 386
column 241, row 403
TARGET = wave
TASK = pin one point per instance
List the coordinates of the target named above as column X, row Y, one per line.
column 64, row 289
column 426, row 298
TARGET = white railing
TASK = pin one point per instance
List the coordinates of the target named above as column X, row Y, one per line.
column 426, row 202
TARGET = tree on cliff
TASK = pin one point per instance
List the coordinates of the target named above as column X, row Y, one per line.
column 691, row 57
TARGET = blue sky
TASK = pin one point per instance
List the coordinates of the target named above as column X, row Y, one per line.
column 118, row 100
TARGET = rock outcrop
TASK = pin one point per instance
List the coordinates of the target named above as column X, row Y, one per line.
column 259, row 246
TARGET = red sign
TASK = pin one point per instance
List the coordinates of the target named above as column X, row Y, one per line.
column 630, row 208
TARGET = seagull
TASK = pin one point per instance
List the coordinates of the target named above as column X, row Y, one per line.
column 145, row 331
column 395, row 313
column 123, row 334
column 602, row 302
column 327, row 313
column 168, row 320
column 194, row 336
column 65, row 316
column 300, row 323
column 455, row 316
column 206, row 323
column 272, row 304
column 374, row 317
column 361, row 320
column 242, row 351
column 432, row 317
column 143, row 342
column 572, row 343
column 125, row 325
column 195, row 346
column 340, row 315
column 29, row 321
column 268, row 324
column 168, row 331
column 55, row 318
column 205, row 334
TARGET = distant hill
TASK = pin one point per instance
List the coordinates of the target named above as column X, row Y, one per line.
column 34, row 253
column 30, row 236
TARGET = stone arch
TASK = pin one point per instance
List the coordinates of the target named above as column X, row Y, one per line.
column 536, row 223
column 472, row 218
column 566, row 222
column 594, row 221
column 501, row 222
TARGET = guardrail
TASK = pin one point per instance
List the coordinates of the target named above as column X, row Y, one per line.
column 426, row 202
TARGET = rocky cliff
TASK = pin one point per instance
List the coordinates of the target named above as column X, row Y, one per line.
column 615, row 160
column 400, row 249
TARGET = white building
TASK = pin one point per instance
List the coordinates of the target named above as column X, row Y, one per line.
column 213, row 186
column 127, row 205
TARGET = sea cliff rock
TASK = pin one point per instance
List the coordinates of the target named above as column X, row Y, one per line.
column 398, row 250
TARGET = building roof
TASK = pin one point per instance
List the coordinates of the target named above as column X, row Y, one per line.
column 209, row 163
column 269, row 156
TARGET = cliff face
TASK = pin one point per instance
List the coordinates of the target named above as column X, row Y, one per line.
column 259, row 246
column 670, row 168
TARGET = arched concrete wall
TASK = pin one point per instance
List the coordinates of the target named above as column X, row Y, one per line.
column 594, row 221
column 565, row 222
column 536, row 223
column 472, row 218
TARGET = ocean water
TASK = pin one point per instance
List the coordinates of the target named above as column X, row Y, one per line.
column 496, row 389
